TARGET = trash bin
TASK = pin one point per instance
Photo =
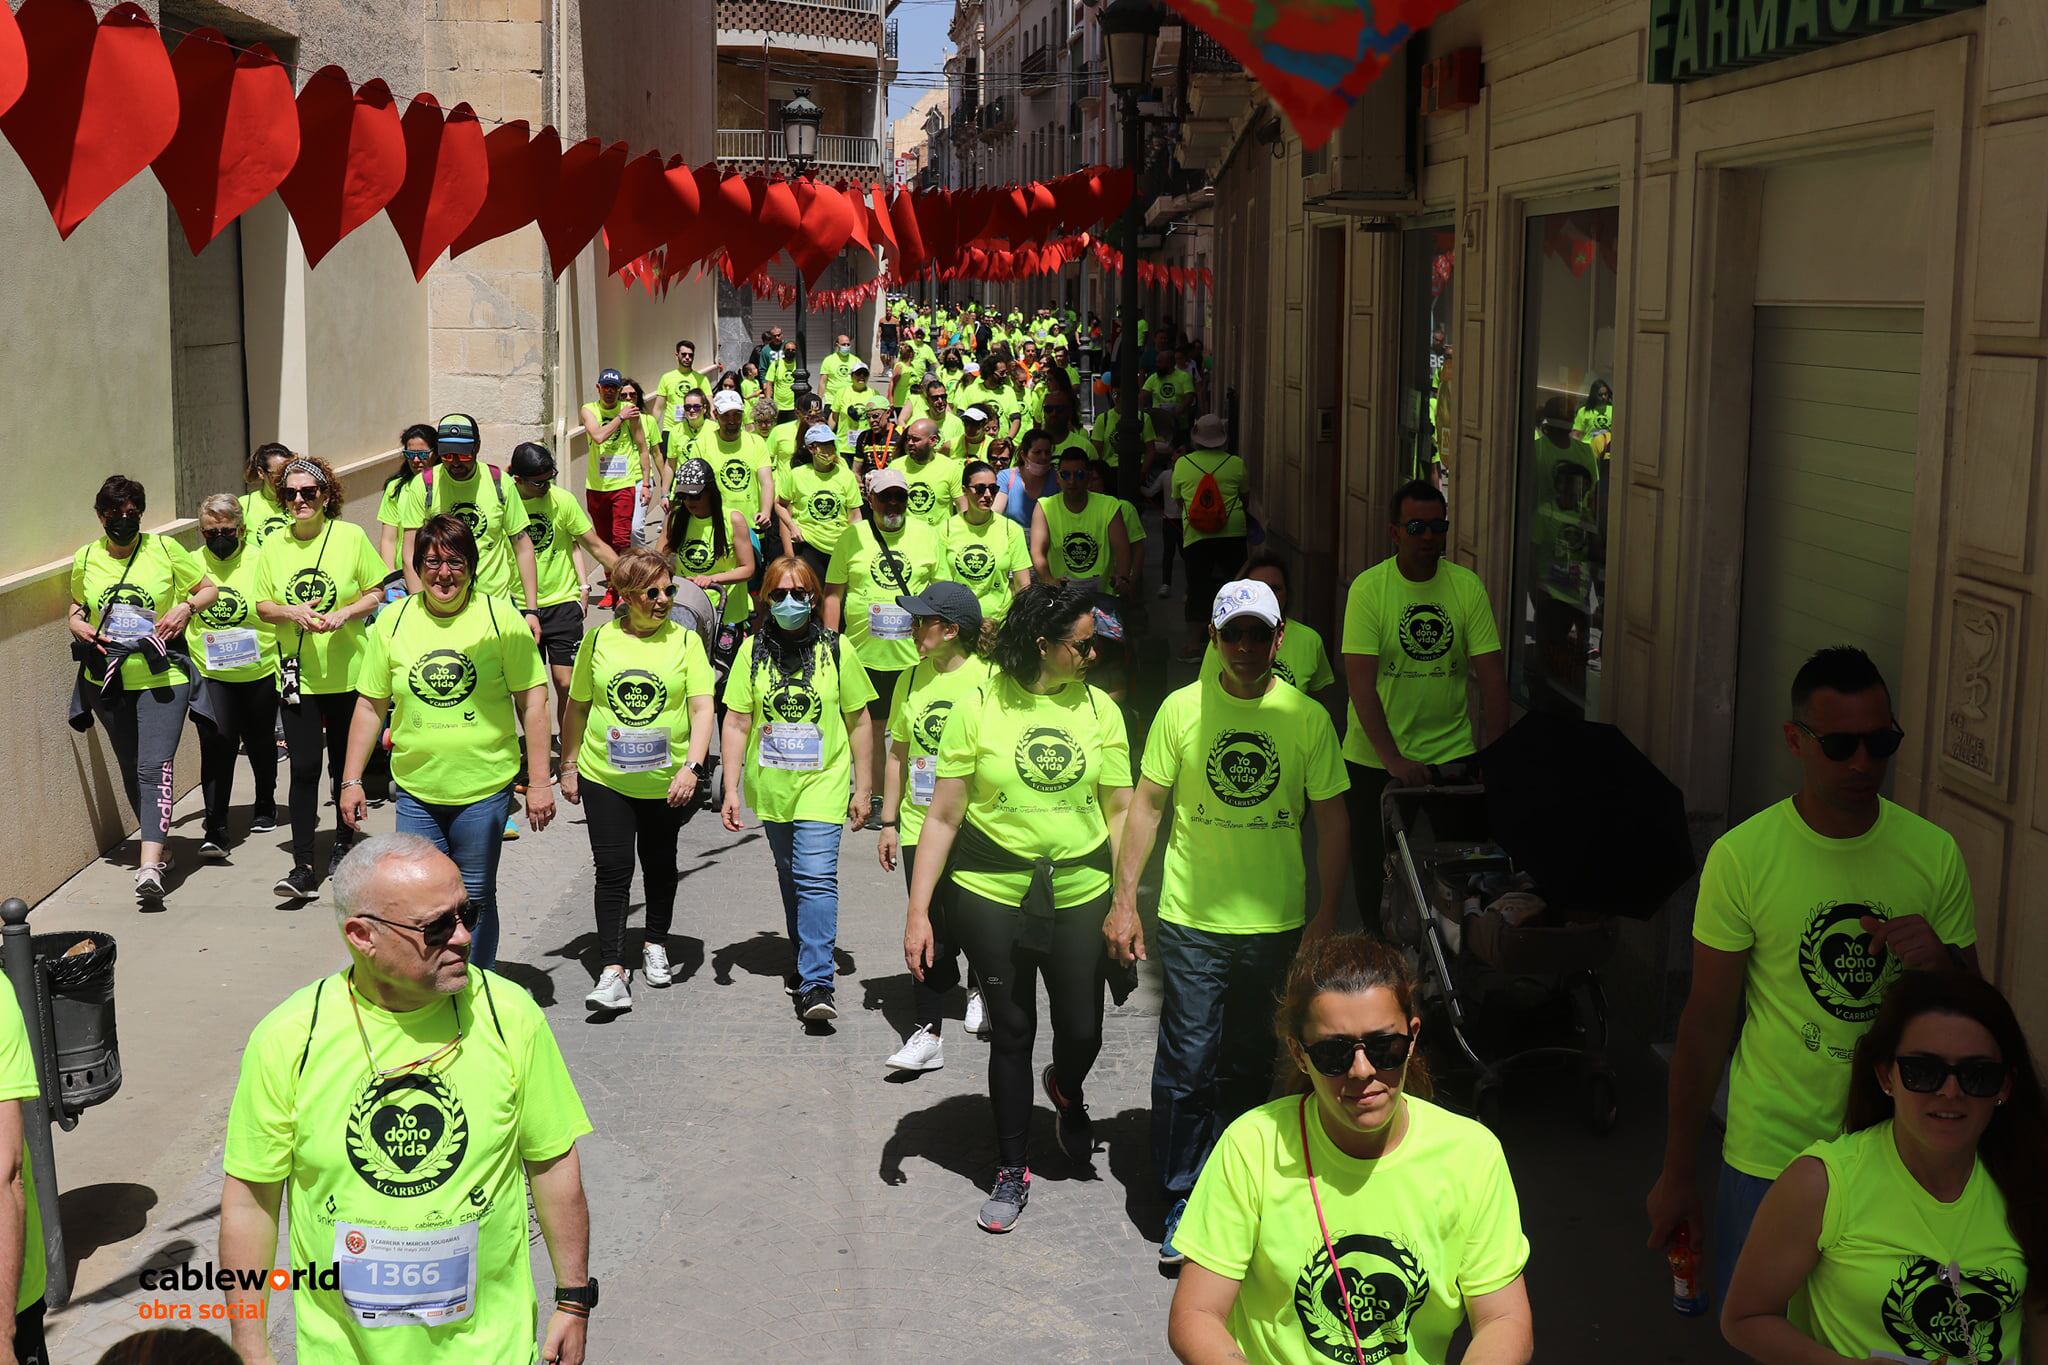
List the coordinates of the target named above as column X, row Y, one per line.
column 81, row 991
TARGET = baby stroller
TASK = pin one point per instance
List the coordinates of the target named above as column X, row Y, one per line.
column 1517, row 980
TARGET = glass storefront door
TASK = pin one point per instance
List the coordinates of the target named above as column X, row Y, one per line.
column 1429, row 258
column 1565, row 432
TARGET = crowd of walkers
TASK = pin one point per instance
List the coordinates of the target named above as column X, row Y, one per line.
column 909, row 607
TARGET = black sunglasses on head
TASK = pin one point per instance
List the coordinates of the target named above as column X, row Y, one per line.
column 1385, row 1052
column 1840, row 745
column 436, row 932
column 1923, row 1074
column 1415, row 526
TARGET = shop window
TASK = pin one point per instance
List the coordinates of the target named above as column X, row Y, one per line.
column 1429, row 258
column 1565, row 425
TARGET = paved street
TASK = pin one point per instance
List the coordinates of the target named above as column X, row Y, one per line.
column 757, row 1193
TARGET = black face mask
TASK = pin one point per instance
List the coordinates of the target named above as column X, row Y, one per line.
column 223, row 543
column 123, row 530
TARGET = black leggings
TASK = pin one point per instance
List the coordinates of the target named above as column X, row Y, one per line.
column 815, row 557
column 618, row 826
column 944, row 974
column 1075, row 972
column 302, row 735
column 248, row 724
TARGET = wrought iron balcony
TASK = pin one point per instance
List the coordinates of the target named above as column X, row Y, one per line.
column 836, row 151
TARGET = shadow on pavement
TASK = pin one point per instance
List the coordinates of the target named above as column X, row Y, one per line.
column 768, row 954
column 103, row 1215
column 686, row 959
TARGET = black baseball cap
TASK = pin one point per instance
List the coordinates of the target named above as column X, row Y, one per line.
column 457, row 435
column 947, row 600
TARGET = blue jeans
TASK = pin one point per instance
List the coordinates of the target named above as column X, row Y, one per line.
column 474, row 836
column 1215, row 1054
column 807, row 869
column 1735, row 1205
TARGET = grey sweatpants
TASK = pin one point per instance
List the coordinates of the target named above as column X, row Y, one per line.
column 144, row 728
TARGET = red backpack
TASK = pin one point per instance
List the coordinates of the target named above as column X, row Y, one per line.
column 1207, row 511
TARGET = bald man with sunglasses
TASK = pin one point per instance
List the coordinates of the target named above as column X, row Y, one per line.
column 1807, row 912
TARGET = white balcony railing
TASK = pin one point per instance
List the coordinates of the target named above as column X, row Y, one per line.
column 834, row 149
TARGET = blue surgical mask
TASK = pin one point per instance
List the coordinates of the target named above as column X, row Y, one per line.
column 790, row 613
column 845, row 350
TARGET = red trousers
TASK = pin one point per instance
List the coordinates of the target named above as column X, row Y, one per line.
column 611, row 515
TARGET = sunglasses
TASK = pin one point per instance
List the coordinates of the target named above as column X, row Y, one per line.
column 1073, row 475
column 1923, row 1074
column 982, row 490
column 1840, row 746
column 789, row 595
column 300, row 495
column 1416, row 526
column 1087, row 646
column 667, row 594
column 1384, row 1051
column 1236, row 634
column 436, row 932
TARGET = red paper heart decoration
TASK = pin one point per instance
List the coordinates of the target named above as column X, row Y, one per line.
column 13, row 61
column 521, row 171
column 910, row 239
column 701, row 230
column 881, row 229
column 447, row 176
column 100, row 103
column 971, row 210
column 938, row 222
column 775, row 221
column 351, row 159
column 827, row 223
column 584, row 190
column 856, row 197
column 238, row 134
column 645, row 213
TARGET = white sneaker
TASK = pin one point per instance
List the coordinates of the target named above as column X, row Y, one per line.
column 610, row 993
column 654, row 968
column 921, row 1051
column 977, row 1012
column 1165, row 590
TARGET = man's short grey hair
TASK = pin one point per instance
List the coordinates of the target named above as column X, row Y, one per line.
column 352, row 879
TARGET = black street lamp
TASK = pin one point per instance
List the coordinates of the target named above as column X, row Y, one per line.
column 800, row 120
column 1130, row 32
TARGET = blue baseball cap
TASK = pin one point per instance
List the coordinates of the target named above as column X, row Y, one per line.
column 610, row 379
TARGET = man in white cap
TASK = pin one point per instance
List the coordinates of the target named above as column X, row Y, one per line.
column 739, row 460
column 973, row 434
column 1214, row 492
column 1244, row 758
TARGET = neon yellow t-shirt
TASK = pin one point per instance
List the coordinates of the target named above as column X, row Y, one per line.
column 1034, row 767
column 18, row 1082
column 1302, row 661
column 698, row 557
column 1792, row 899
column 493, row 519
column 451, row 680
column 736, row 465
column 387, row 515
column 263, row 516
column 637, row 684
column 1231, row 482
column 934, row 487
column 1167, row 391
column 826, row 700
column 781, row 381
column 1885, row 1245
column 671, row 389
column 1077, row 547
column 1242, row 775
column 835, row 370
column 1425, row 636
column 1134, row 524
column 853, row 409
column 984, row 557
column 615, row 460
column 1105, row 434
column 240, row 582
column 1415, row 1242
column 819, row 501
column 554, row 524
column 782, row 444
column 431, row 1150
column 873, row 582
column 331, row 571
column 163, row 574
column 918, row 707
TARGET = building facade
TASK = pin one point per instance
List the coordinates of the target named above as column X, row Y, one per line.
column 190, row 361
column 1724, row 328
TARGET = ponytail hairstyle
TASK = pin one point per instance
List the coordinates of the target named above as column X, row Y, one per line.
column 403, row 475
column 256, row 469
column 1043, row 611
column 1350, row 964
column 2014, row 1144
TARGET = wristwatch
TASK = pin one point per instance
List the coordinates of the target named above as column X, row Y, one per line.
column 703, row 770
column 584, row 1297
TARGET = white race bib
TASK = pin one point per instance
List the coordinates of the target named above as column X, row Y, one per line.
column 227, row 649
column 127, row 622
column 887, row 621
column 407, row 1279
column 792, row 746
column 636, row 751
column 924, row 779
column 613, row 466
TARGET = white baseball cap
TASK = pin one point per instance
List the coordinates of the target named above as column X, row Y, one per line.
column 1245, row 597
column 971, row 367
column 859, row 367
column 819, row 434
column 727, row 400
column 973, row 414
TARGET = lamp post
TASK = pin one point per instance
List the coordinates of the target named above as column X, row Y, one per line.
column 800, row 120
column 1130, row 32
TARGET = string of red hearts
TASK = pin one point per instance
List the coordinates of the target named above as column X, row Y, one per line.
column 89, row 102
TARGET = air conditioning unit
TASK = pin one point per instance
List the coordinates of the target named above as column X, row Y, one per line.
column 1373, row 164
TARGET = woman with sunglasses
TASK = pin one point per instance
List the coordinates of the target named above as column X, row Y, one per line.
column 796, row 707
column 986, row 552
column 1910, row 1237
column 1354, row 1213
column 706, row 542
column 317, row 584
column 462, row 665
column 815, row 500
column 633, row 748
column 1034, row 780
column 416, row 455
